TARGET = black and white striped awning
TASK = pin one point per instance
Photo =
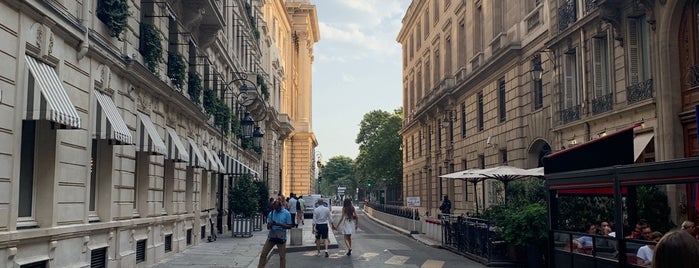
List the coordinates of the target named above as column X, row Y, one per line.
column 52, row 102
column 237, row 168
column 212, row 164
column 175, row 149
column 148, row 139
column 110, row 125
column 196, row 159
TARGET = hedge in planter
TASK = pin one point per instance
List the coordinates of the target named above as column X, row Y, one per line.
column 151, row 47
column 194, row 87
column 176, row 69
column 243, row 198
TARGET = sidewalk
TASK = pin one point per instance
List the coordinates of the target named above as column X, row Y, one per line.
column 228, row 251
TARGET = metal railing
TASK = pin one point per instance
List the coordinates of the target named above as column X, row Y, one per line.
column 474, row 238
column 401, row 211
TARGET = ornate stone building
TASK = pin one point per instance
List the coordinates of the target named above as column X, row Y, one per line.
column 299, row 148
column 471, row 100
column 123, row 122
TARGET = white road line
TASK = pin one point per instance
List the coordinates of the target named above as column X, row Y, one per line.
column 432, row 264
column 397, row 260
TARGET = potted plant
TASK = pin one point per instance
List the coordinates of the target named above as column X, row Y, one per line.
column 242, row 200
column 262, row 192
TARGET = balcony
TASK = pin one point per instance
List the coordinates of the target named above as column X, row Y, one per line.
column 639, row 91
column 693, row 76
column 209, row 18
column 602, row 104
column 567, row 15
column 570, row 114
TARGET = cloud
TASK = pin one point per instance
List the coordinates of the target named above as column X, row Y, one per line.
column 348, row 77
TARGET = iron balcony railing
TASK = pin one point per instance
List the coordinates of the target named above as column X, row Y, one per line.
column 570, row 114
column 590, row 6
column 567, row 14
column 474, row 238
column 602, row 104
column 639, row 91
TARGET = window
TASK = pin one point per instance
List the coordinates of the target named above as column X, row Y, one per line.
column 427, row 22
column 479, row 98
column 418, row 35
column 439, row 135
column 39, row 264
column 537, row 86
column 638, row 59
column 601, row 68
column 427, row 79
column 437, row 75
column 571, row 97
column 412, row 145
column 189, row 236
column 141, row 251
column 447, row 56
column 478, row 31
column 481, row 161
column 419, row 143
column 498, row 17
column 462, row 43
column 502, row 112
column 168, row 243
column 98, row 258
column 140, row 190
column 100, row 178
column 26, row 173
column 463, row 120
column 436, row 11
column 503, row 156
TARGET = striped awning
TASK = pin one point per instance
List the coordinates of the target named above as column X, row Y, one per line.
column 110, row 125
column 148, row 139
column 218, row 161
column 196, row 159
column 229, row 164
column 175, row 149
column 52, row 103
column 240, row 168
column 211, row 164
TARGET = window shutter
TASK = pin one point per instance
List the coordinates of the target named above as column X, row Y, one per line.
column 140, row 251
column 634, row 52
column 598, row 65
column 569, row 81
column 98, row 258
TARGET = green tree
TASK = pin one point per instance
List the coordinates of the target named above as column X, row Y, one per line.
column 338, row 171
column 380, row 152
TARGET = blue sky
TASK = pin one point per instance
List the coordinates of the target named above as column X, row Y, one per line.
column 356, row 69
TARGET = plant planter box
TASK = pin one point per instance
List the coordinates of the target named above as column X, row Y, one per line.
column 242, row 227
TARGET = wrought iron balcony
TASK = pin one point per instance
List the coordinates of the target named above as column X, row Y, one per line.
column 693, row 76
column 640, row 91
column 570, row 114
column 567, row 14
column 590, row 6
column 602, row 104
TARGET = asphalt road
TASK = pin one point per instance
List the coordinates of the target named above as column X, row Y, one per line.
column 377, row 246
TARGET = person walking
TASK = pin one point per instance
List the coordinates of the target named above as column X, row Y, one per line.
column 300, row 207
column 278, row 221
column 348, row 224
column 293, row 202
column 321, row 217
column 446, row 205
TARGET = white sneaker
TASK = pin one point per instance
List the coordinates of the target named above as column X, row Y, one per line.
column 319, row 254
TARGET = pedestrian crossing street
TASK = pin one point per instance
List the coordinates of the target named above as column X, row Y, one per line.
column 395, row 260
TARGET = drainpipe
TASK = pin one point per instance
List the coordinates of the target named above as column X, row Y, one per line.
column 85, row 22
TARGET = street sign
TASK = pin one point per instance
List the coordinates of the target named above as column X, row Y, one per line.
column 413, row 201
column 341, row 190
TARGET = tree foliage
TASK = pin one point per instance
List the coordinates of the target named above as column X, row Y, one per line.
column 380, row 151
column 243, row 198
column 338, row 171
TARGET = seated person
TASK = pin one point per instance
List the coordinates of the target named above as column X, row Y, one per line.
column 584, row 243
column 644, row 256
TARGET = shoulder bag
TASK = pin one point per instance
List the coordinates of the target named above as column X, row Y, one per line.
column 276, row 236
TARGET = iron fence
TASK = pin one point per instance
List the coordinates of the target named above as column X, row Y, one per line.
column 476, row 239
column 401, row 211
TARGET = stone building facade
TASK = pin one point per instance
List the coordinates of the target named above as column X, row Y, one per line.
column 120, row 124
column 471, row 101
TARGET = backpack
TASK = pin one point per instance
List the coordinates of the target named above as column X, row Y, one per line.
column 298, row 205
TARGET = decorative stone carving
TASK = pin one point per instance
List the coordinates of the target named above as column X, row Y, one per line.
column 611, row 14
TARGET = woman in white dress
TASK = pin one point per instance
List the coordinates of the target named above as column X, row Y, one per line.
column 347, row 224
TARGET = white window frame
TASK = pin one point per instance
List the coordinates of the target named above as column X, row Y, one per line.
column 571, row 84
column 601, row 66
column 638, row 51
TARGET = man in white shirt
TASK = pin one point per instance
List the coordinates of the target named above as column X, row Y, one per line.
column 292, row 209
column 321, row 218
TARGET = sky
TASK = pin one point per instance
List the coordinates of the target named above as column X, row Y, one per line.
column 356, row 69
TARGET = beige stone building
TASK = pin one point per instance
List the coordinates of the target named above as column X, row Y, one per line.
column 299, row 148
column 471, row 100
column 116, row 142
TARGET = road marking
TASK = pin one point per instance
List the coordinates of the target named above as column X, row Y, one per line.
column 397, row 260
column 432, row 264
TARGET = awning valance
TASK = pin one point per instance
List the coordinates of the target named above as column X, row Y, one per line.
column 52, row 102
column 175, row 149
column 196, row 159
column 110, row 125
column 211, row 163
column 148, row 139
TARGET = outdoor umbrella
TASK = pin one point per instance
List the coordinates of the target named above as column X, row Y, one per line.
column 469, row 175
column 506, row 174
